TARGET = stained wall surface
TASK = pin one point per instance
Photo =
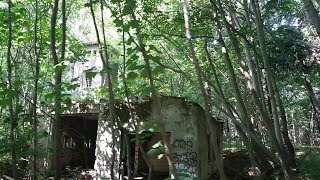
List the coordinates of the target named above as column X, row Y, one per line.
column 188, row 138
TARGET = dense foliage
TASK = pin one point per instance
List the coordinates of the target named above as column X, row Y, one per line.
column 252, row 64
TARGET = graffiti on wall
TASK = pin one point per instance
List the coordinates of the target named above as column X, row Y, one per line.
column 182, row 144
column 187, row 158
column 184, row 157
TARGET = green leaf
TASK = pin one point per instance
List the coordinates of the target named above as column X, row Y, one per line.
column 158, row 70
column 70, row 87
column 148, row 9
column 151, row 130
column 3, row 85
column 155, row 58
column 18, row 83
column 4, row 102
column 115, row 1
column 10, row 93
column 160, row 156
column 158, row 144
column 132, row 51
column 154, row 48
column 128, row 8
column 134, row 24
column 27, row 118
column 147, row 90
column 132, row 75
column 50, row 96
column 134, row 66
column 126, row 28
column 130, row 41
column 59, row 68
column 134, row 57
column 154, row 152
column 118, row 22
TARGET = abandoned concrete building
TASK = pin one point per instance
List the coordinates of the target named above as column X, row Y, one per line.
column 87, row 139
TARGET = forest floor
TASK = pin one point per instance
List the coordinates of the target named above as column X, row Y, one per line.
column 237, row 164
column 309, row 162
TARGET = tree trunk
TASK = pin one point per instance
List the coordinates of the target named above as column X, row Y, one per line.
column 110, row 92
column 126, row 92
column 291, row 152
column 256, row 143
column 211, row 122
column 310, row 91
column 57, row 86
column 156, row 104
column 35, row 96
column 13, row 122
column 103, row 51
column 248, row 143
column 245, row 123
column 313, row 15
column 278, row 142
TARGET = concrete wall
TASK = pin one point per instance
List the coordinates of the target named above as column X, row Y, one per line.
column 78, row 70
column 103, row 154
column 189, row 142
column 87, row 72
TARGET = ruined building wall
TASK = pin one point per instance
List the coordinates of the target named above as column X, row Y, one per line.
column 189, row 141
column 103, row 161
column 188, row 138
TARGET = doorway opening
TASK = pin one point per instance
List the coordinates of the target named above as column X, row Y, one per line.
column 78, row 140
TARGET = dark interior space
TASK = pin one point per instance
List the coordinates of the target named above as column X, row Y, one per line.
column 78, row 139
column 139, row 167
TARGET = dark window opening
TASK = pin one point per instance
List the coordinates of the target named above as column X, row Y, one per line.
column 78, row 140
column 88, row 79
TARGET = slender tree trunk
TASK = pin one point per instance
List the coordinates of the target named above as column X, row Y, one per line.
column 63, row 30
column 250, row 84
column 128, row 156
column 58, row 80
column 126, row 92
column 35, row 95
column 268, row 73
column 231, row 73
column 144, row 155
column 241, row 132
column 156, row 104
column 253, row 62
column 256, row 142
column 211, row 122
column 248, row 128
column 133, row 117
column 313, row 14
column 110, row 90
column 103, row 51
column 271, row 89
column 13, row 122
column 310, row 91
column 284, row 122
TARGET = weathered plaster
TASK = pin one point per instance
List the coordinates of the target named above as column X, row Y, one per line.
column 188, row 138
